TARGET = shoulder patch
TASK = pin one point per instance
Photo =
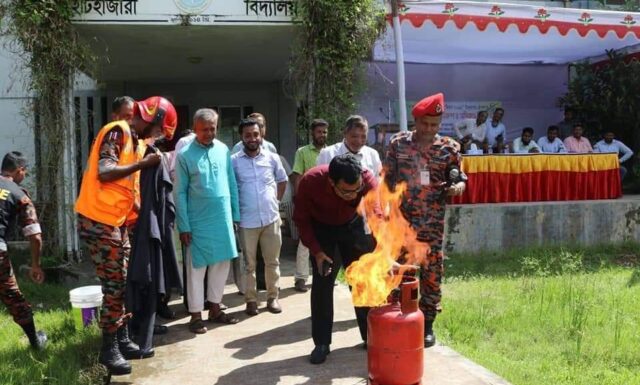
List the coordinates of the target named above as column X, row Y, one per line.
column 400, row 136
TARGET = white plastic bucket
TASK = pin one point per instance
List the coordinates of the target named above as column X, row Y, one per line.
column 85, row 304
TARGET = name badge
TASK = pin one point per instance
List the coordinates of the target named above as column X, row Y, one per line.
column 424, row 178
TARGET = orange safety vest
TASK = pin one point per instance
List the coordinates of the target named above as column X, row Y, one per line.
column 110, row 203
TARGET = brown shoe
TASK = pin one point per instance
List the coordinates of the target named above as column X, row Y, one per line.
column 223, row 318
column 273, row 305
column 300, row 285
column 197, row 326
column 252, row 308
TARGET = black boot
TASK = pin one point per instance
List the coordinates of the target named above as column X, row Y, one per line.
column 429, row 335
column 164, row 311
column 38, row 340
column 111, row 357
column 129, row 349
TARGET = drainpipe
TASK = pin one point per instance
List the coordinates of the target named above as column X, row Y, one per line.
column 402, row 101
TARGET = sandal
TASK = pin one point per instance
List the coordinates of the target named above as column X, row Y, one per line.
column 197, row 326
column 224, row 318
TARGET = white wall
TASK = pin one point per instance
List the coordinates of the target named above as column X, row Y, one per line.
column 287, row 128
column 16, row 123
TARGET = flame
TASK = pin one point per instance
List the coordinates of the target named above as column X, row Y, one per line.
column 369, row 277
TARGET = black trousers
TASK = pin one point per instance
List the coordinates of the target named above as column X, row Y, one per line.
column 351, row 242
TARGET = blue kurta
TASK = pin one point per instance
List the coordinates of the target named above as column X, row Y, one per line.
column 207, row 201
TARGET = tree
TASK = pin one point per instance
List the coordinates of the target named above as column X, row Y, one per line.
column 606, row 97
column 333, row 40
column 629, row 5
column 41, row 35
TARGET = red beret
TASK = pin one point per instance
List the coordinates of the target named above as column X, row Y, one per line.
column 431, row 105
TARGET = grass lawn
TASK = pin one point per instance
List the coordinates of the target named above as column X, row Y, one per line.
column 71, row 356
column 549, row 316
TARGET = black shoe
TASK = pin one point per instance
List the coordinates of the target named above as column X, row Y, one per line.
column 147, row 353
column 129, row 349
column 37, row 340
column 429, row 335
column 300, row 285
column 165, row 312
column 159, row 330
column 111, row 357
column 319, row 354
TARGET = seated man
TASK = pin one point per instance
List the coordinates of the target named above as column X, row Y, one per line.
column 470, row 131
column 551, row 144
column 525, row 144
column 610, row 144
column 577, row 143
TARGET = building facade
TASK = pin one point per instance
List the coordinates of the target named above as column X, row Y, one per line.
column 231, row 55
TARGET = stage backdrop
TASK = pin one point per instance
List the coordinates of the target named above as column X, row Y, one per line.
column 528, row 93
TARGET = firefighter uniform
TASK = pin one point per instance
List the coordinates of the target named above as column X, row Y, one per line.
column 106, row 209
column 426, row 171
column 103, row 210
column 15, row 205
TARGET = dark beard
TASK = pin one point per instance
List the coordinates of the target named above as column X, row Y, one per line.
column 251, row 147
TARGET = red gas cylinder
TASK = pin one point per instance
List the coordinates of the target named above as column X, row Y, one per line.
column 396, row 339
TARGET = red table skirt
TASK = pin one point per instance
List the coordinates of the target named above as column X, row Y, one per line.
column 540, row 177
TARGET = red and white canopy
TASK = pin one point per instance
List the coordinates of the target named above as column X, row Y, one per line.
column 469, row 32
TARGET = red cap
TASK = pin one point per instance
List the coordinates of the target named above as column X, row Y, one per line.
column 159, row 110
column 431, row 105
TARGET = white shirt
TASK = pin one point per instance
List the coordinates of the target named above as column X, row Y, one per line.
column 179, row 145
column 469, row 127
column 554, row 147
column 492, row 132
column 615, row 146
column 368, row 157
column 521, row 148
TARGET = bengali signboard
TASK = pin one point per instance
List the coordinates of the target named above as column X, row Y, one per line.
column 196, row 12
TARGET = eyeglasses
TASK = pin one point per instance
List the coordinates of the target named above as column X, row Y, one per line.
column 348, row 192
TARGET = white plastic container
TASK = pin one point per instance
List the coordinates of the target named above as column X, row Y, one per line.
column 85, row 304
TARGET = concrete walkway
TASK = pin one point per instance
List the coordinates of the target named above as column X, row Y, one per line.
column 272, row 349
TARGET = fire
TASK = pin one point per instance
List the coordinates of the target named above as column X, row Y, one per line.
column 369, row 277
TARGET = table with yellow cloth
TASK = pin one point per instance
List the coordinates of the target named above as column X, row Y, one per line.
column 540, row 177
